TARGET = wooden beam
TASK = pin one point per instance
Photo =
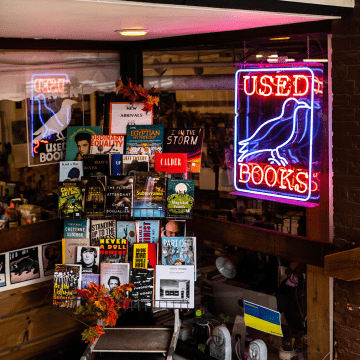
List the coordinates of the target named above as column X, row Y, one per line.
column 291, row 247
column 344, row 265
column 31, row 235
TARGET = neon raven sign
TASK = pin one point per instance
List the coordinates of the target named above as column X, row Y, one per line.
column 277, row 140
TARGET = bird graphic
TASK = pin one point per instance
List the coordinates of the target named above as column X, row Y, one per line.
column 57, row 122
column 278, row 134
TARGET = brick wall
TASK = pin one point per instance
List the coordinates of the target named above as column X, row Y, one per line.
column 346, row 163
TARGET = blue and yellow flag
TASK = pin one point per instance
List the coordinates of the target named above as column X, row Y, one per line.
column 262, row 318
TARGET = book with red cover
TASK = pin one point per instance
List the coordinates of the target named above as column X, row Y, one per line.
column 145, row 255
column 171, row 163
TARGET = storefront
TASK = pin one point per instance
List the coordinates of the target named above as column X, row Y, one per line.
column 196, row 74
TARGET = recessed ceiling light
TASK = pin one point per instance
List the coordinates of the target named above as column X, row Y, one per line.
column 315, row 60
column 132, row 32
column 280, row 38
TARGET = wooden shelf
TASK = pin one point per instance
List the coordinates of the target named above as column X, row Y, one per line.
column 291, row 247
column 344, row 265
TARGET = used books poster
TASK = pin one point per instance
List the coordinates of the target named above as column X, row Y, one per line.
column 48, row 116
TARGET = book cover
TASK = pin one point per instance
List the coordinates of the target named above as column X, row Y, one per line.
column 187, row 141
column 113, row 250
column 145, row 255
column 86, row 279
column 116, row 161
column 77, row 228
column 114, row 275
column 107, row 144
column 94, row 195
column 102, row 229
column 78, row 141
column 70, row 199
column 67, row 278
column 173, row 228
column 69, row 249
column 126, row 230
column 150, row 196
column 174, row 286
column 119, row 195
column 143, row 292
column 88, row 258
column 180, row 197
column 96, row 164
column 70, row 170
column 51, row 255
column 133, row 163
column 147, row 231
column 178, row 251
column 145, row 140
column 173, row 163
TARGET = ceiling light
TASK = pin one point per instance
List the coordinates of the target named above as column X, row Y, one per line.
column 280, row 38
column 290, row 60
column 259, row 55
column 274, row 56
column 132, row 32
column 315, row 60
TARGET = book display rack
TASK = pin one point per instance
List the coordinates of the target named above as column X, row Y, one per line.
column 132, row 207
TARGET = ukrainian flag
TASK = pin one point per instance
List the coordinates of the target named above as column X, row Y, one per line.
column 262, row 318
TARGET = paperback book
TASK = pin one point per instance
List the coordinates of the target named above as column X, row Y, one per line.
column 94, row 195
column 70, row 170
column 114, row 275
column 119, row 195
column 102, row 229
column 77, row 228
column 147, row 231
column 116, row 160
column 145, row 140
column 187, row 141
column 86, row 279
column 96, row 164
column 178, row 251
column 150, row 196
column 113, row 250
column 173, row 163
column 143, row 292
column 174, row 286
column 88, row 257
column 70, row 199
column 133, row 163
column 107, row 144
column 67, row 278
column 78, row 141
column 180, row 197
column 145, row 255
column 126, row 230
column 69, row 249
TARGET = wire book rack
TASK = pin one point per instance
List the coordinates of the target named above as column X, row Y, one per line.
column 128, row 214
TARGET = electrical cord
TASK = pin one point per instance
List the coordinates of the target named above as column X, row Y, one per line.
column 238, row 350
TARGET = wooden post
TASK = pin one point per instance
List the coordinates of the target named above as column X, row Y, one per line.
column 93, row 109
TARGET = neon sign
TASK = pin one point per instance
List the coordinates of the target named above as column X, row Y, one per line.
column 49, row 118
column 277, row 141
